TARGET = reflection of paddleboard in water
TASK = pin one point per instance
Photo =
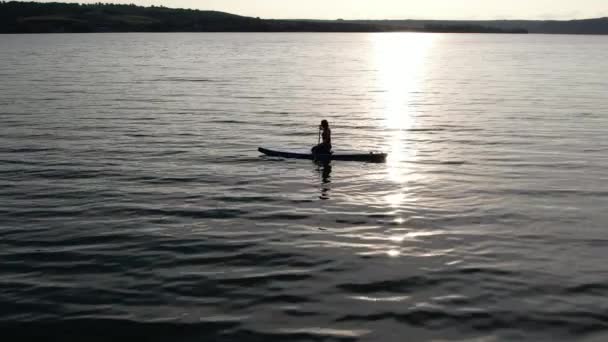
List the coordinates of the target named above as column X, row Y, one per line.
column 324, row 170
column 370, row 157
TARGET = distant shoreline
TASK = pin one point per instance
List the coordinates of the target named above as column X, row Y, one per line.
column 34, row 17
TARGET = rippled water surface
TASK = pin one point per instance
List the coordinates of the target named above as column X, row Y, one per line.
column 133, row 201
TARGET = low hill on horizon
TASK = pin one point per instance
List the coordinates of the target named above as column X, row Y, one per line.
column 55, row 17
column 578, row 26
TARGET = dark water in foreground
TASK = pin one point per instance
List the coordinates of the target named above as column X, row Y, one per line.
column 133, row 202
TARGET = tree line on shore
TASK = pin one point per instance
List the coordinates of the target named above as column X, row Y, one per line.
column 54, row 17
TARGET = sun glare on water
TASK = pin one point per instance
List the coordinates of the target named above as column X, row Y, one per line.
column 401, row 64
column 401, row 61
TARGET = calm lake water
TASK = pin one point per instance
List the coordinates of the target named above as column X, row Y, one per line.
column 133, row 201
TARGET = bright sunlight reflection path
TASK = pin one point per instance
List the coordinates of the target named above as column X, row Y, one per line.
column 400, row 59
column 401, row 63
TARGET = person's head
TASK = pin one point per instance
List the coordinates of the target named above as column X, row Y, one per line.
column 324, row 124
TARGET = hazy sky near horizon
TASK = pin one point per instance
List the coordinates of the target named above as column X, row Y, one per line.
column 392, row 9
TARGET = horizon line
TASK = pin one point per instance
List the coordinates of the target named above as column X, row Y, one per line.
column 601, row 16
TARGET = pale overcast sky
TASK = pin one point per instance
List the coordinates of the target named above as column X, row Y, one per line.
column 393, row 9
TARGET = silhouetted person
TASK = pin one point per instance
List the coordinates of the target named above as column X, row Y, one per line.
column 325, row 146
